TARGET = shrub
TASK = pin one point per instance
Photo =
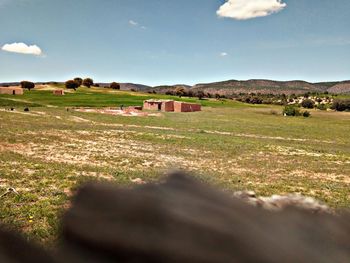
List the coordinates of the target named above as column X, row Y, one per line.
column 115, row 85
column 179, row 91
column 306, row 114
column 308, row 104
column 341, row 105
column 27, row 85
column 71, row 84
column 291, row 111
column 79, row 81
column 321, row 107
column 88, row 82
column 200, row 94
column 169, row 92
column 256, row 100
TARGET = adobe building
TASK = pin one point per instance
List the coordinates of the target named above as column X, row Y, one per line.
column 186, row 107
column 58, row 92
column 159, row 105
column 11, row 90
column 171, row 106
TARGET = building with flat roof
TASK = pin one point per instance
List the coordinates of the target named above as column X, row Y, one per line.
column 58, row 92
column 171, row 106
column 11, row 90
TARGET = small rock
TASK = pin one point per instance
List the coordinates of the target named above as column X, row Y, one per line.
column 137, row 181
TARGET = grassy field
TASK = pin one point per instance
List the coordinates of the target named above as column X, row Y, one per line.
column 93, row 97
column 48, row 152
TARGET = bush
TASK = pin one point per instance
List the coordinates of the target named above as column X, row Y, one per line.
column 27, row 85
column 71, row 84
column 88, row 82
column 321, row 107
column 291, row 111
column 115, row 85
column 306, row 114
column 341, row 105
column 256, row 100
column 308, row 104
column 200, row 94
column 180, row 91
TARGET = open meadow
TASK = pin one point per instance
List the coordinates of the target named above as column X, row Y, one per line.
column 46, row 153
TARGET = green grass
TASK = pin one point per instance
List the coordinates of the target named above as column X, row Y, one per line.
column 95, row 97
column 47, row 153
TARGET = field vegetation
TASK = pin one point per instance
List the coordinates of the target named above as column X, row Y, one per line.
column 46, row 153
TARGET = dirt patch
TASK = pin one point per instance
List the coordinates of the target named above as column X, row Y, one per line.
column 126, row 113
column 119, row 149
column 290, row 151
column 333, row 177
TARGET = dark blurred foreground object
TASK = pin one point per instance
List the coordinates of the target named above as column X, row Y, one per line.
column 183, row 220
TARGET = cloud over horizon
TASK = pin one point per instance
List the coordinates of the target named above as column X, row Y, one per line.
column 133, row 23
column 248, row 9
column 22, row 48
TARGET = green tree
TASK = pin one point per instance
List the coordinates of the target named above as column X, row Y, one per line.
column 115, row 85
column 79, row 81
column 88, row 82
column 180, row 91
column 341, row 105
column 200, row 94
column 308, row 104
column 291, row 111
column 71, row 84
column 27, row 85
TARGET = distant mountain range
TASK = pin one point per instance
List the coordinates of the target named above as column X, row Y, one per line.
column 254, row 86
column 237, row 86
column 274, row 87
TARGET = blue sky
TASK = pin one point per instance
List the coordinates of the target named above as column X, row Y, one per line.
column 168, row 42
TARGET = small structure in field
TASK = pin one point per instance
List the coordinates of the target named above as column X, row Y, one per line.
column 58, row 92
column 11, row 90
column 171, row 106
column 186, row 107
column 159, row 105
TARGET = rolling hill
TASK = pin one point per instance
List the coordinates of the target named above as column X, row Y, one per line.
column 274, row 87
column 229, row 87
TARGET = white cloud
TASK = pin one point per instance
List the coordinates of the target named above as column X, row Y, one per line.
column 22, row 48
column 133, row 23
column 223, row 54
column 247, row 9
